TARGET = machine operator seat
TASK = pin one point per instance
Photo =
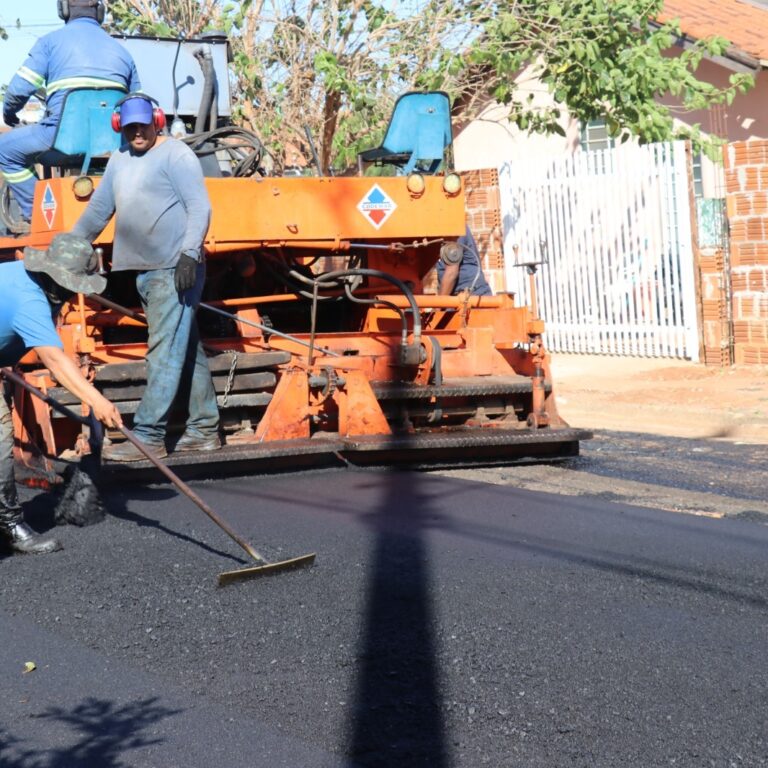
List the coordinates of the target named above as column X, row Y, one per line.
column 84, row 130
column 418, row 134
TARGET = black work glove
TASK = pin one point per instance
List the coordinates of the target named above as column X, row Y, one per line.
column 186, row 273
column 11, row 119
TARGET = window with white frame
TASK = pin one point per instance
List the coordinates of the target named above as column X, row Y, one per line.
column 594, row 136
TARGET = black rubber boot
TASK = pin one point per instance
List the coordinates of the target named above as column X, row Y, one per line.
column 21, row 538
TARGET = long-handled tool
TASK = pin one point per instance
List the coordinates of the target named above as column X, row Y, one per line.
column 216, row 310
column 262, row 566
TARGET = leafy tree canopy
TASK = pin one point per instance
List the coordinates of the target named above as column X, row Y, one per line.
column 336, row 66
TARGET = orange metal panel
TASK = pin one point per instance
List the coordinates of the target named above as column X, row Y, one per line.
column 328, row 208
column 254, row 211
column 287, row 415
column 359, row 410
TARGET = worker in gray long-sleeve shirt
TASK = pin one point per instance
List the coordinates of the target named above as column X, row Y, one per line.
column 154, row 187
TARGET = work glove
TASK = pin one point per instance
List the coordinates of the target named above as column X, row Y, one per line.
column 11, row 119
column 186, row 273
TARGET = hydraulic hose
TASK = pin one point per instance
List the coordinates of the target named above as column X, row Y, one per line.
column 204, row 57
column 404, row 289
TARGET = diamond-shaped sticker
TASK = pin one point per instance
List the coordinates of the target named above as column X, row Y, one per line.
column 377, row 206
column 48, row 206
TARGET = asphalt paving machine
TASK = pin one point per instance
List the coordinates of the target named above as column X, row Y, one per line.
column 324, row 342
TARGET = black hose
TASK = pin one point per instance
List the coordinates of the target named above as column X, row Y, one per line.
column 244, row 148
column 404, row 289
column 205, row 60
column 214, row 110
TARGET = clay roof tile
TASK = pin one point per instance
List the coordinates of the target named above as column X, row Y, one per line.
column 745, row 25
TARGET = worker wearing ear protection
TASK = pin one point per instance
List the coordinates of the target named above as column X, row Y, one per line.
column 78, row 55
column 155, row 189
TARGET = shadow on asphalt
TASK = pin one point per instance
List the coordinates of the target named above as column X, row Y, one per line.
column 39, row 513
column 396, row 718
column 105, row 734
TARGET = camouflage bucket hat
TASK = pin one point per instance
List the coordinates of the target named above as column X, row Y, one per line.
column 70, row 261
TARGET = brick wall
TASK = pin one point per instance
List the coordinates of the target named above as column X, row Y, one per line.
column 481, row 188
column 746, row 176
column 713, row 283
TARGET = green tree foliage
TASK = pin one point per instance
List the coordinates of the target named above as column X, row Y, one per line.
column 603, row 59
column 336, row 66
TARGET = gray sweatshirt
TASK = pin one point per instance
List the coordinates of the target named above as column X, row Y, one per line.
column 161, row 206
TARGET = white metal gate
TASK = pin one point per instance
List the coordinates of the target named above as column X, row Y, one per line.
column 611, row 232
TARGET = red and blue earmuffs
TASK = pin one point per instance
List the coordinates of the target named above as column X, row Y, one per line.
column 158, row 116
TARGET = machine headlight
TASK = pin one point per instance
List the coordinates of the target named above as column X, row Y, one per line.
column 82, row 187
column 452, row 184
column 416, row 184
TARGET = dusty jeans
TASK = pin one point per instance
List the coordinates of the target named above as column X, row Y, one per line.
column 9, row 502
column 177, row 368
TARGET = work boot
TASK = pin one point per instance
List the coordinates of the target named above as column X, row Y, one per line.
column 128, row 452
column 190, row 442
column 21, row 538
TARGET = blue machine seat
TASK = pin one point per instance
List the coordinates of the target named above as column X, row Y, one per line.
column 85, row 128
column 418, row 133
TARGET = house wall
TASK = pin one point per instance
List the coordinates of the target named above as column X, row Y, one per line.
column 490, row 139
column 746, row 174
column 744, row 119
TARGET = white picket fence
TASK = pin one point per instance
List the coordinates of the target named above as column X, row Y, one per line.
column 611, row 231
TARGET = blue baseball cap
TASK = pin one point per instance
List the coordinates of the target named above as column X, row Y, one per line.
column 136, row 110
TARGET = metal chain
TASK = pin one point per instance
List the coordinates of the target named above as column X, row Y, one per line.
column 230, row 377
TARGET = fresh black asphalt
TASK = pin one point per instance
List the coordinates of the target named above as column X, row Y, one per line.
column 445, row 623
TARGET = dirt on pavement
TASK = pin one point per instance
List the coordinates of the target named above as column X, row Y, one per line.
column 662, row 396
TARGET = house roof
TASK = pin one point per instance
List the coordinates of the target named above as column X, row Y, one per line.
column 741, row 22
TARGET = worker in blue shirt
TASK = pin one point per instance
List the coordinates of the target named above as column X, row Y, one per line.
column 459, row 268
column 32, row 292
column 78, row 55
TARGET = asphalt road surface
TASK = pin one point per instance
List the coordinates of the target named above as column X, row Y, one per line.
column 445, row 623
column 717, row 478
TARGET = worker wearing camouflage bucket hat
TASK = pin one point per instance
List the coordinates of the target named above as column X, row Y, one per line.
column 71, row 263
column 32, row 292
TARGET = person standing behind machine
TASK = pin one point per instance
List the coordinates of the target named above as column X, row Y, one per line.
column 154, row 186
column 459, row 268
column 79, row 55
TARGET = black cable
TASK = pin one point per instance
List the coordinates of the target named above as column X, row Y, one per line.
column 244, row 148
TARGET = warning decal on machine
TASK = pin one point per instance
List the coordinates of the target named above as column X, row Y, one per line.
column 376, row 206
column 49, row 206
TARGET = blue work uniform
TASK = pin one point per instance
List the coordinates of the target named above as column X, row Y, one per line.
column 471, row 275
column 26, row 316
column 79, row 55
column 26, row 321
